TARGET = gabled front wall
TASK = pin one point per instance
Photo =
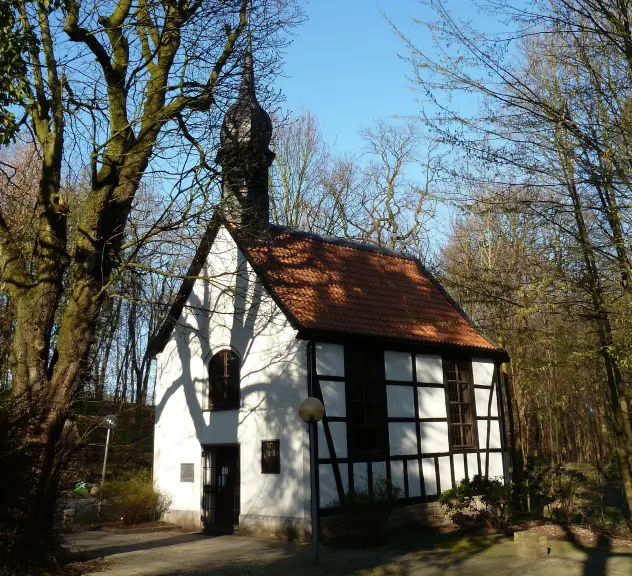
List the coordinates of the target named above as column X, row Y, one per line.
column 229, row 309
column 421, row 461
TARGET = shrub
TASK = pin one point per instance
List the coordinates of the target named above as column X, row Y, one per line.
column 563, row 484
column 494, row 495
column 612, row 471
column 459, row 499
column 134, row 498
column 361, row 498
column 555, row 486
column 612, row 520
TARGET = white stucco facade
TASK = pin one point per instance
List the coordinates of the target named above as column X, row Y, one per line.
column 229, row 309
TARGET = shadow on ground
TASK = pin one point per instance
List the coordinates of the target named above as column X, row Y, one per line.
column 81, row 552
column 403, row 554
column 597, row 557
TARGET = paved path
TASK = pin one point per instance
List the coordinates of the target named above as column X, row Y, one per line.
column 185, row 554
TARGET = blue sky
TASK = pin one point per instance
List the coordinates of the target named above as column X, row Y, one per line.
column 344, row 66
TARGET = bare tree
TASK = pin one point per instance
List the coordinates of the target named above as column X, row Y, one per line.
column 552, row 117
column 133, row 89
column 373, row 198
column 395, row 207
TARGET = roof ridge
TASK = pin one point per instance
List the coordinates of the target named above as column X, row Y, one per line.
column 343, row 242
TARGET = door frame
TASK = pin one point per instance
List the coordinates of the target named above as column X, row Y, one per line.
column 209, row 493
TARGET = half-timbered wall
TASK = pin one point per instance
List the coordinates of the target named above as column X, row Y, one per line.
column 421, row 462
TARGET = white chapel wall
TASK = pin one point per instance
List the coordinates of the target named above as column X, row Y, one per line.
column 230, row 309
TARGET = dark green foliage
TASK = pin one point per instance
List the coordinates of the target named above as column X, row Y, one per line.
column 14, row 43
column 556, row 488
column 133, row 498
column 612, row 471
column 458, row 499
column 381, row 495
column 479, row 500
column 611, row 521
column 131, row 445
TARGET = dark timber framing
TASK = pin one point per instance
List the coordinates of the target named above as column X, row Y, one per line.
column 315, row 390
column 481, row 445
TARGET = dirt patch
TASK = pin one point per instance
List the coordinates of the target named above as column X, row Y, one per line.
column 118, row 527
column 84, row 566
column 583, row 535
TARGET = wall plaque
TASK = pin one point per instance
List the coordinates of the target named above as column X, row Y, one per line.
column 187, row 472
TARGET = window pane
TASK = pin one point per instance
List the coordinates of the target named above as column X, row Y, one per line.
column 356, row 390
column 358, row 414
column 455, row 431
column 224, row 379
column 459, row 379
column 270, row 457
column 465, row 392
column 360, row 440
column 366, row 395
column 464, row 372
column 374, row 390
column 374, row 413
column 469, row 435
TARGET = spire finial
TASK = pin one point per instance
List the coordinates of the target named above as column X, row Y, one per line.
column 247, row 86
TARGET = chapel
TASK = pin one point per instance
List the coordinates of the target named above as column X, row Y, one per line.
column 409, row 384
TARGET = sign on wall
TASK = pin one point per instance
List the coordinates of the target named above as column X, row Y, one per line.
column 187, row 472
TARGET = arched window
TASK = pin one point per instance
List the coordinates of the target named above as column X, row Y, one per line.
column 224, row 381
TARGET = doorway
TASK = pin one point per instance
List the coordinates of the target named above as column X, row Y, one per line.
column 220, row 491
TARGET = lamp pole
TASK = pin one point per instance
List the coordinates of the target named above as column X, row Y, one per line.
column 311, row 410
column 109, row 422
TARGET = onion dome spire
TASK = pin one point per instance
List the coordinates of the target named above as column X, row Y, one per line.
column 245, row 154
column 247, row 126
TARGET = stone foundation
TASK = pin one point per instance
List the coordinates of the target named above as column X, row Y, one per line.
column 290, row 529
column 426, row 514
column 280, row 527
column 366, row 526
column 188, row 519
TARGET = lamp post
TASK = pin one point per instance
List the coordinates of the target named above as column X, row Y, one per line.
column 110, row 423
column 311, row 410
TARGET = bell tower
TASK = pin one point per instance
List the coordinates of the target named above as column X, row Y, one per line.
column 245, row 155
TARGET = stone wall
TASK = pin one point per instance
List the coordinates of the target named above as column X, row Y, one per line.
column 280, row 527
column 366, row 526
column 427, row 514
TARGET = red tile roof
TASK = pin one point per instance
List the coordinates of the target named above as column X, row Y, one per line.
column 341, row 286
